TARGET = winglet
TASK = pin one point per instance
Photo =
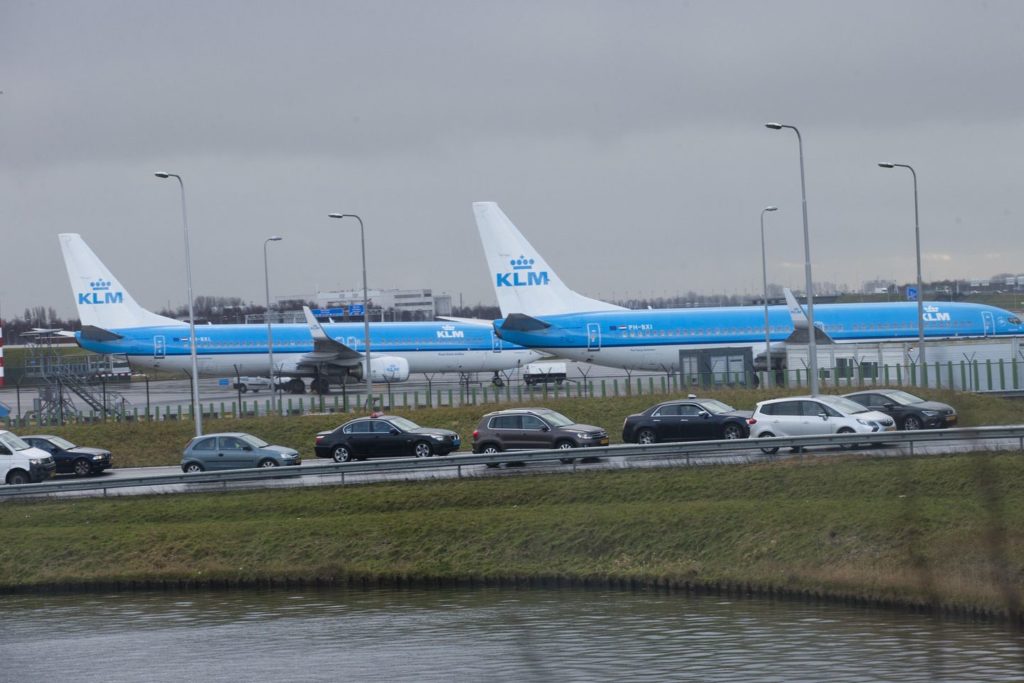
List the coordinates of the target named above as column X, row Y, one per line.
column 315, row 328
column 796, row 311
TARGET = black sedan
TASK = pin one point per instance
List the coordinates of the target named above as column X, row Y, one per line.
column 81, row 460
column 383, row 436
column 909, row 411
column 686, row 420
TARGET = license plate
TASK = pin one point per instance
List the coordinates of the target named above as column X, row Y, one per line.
column 604, row 442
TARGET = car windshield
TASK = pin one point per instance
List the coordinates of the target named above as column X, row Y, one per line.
column 716, row 407
column 556, row 419
column 13, row 442
column 903, row 397
column 61, row 443
column 843, row 405
column 253, row 441
column 403, row 424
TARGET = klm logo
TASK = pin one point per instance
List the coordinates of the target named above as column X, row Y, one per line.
column 449, row 332
column 100, row 294
column 933, row 315
column 522, row 275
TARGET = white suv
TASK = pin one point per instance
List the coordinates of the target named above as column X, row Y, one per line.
column 814, row 416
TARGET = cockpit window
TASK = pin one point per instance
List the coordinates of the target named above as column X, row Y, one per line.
column 1013, row 320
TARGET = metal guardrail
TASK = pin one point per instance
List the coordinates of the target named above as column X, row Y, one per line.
column 690, row 450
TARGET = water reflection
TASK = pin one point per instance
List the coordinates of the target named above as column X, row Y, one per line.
column 472, row 635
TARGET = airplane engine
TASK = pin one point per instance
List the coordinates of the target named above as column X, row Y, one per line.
column 389, row 369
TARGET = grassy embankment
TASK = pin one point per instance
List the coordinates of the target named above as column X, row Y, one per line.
column 916, row 531
column 141, row 444
column 939, row 532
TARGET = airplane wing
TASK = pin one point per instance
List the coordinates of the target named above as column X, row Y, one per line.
column 325, row 349
column 467, row 321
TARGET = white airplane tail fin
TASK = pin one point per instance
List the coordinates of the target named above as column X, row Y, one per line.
column 522, row 279
column 102, row 301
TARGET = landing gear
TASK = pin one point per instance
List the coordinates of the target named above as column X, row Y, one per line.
column 497, row 380
column 294, row 386
column 320, row 385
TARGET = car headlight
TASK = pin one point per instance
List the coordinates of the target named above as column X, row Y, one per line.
column 929, row 413
column 867, row 423
column 97, row 457
column 437, row 437
column 36, row 461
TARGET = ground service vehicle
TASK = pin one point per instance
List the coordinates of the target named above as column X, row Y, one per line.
column 21, row 463
column 815, row 415
column 909, row 411
column 542, row 373
column 686, row 419
column 531, row 429
column 81, row 460
column 253, row 384
column 235, row 450
column 383, row 436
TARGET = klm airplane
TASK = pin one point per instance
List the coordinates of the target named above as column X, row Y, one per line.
column 541, row 312
column 112, row 322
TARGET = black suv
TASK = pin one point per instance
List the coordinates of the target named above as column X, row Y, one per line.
column 533, row 429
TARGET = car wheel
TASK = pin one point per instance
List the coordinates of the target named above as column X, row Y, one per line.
column 342, row 454
column 646, row 436
column 267, row 462
column 912, row 422
column 82, row 468
column 565, row 444
column 242, row 388
column 422, row 449
column 768, row 449
column 18, row 477
column 847, row 446
column 732, row 431
column 193, row 467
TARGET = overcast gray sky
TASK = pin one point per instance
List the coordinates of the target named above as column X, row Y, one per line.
column 625, row 139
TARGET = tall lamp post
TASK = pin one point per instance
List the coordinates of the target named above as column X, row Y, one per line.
column 270, row 331
column 764, row 279
column 366, row 309
column 812, row 346
column 920, row 284
column 196, row 411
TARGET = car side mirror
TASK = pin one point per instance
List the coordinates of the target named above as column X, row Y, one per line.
column 394, row 432
column 246, row 448
column 545, row 428
column 888, row 406
column 705, row 414
column 823, row 416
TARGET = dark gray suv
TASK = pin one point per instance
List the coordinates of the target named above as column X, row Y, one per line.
column 533, row 429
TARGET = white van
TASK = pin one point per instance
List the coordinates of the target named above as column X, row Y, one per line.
column 21, row 463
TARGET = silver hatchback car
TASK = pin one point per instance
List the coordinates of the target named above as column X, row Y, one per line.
column 815, row 415
column 235, row 450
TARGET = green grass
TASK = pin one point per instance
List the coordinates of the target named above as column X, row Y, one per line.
column 939, row 531
column 139, row 444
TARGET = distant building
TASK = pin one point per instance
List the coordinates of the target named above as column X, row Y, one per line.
column 395, row 304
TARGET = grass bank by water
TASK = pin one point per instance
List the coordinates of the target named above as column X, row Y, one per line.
column 937, row 531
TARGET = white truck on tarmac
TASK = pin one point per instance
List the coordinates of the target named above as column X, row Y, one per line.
column 544, row 372
column 21, row 463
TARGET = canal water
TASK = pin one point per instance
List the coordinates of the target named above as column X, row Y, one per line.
column 484, row 635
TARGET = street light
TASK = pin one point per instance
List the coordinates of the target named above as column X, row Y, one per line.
column 366, row 309
column 196, row 412
column 764, row 277
column 920, row 285
column 812, row 347
column 270, row 332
